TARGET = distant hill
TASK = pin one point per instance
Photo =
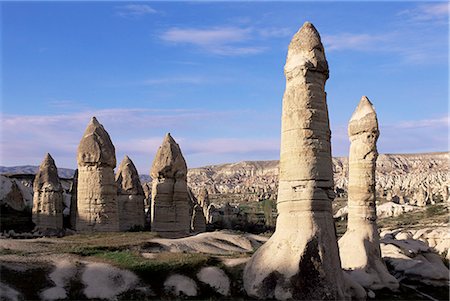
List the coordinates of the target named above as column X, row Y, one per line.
column 30, row 169
column 65, row 173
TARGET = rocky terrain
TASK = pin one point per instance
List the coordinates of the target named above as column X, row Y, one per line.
column 138, row 266
column 399, row 177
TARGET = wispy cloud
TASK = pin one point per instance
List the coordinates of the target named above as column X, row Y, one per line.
column 407, row 38
column 135, row 10
column 355, row 41
column 275, row 32
column 404, row 136
column 430, row 12
column 227, row 41
column 136, row 131
column 193, row 80
column 439, row 122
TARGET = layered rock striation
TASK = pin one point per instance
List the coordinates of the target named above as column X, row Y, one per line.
column 170, row 206
column 97, row 191
column 47, row 197
column 360, row 245
column 130, row 196
column 301, row 259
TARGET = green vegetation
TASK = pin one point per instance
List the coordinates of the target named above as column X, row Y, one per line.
column 161, row 263
column 433, row 214
column 93, row 243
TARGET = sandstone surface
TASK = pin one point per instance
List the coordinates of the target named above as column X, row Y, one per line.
column 301, row 259
column 198, row 222
column 397, row 175
column 97, row 208
column 360, row 246
column 170, row 207
column 130, row 196
column 47, row 197
column 413, row 258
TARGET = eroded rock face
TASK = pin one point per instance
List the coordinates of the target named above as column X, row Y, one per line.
column 130, row 196
column 170, row 208
column 203, row 201
column 301, row 259
column 360, row 245
column 73, row 200
column 11, row 194
column 47, row 197
column 198, row 222
column 97, row 191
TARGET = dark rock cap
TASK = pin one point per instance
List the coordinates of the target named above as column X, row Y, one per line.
column 96, row 147
column 364, row 118
column 169, row 161
column 47, row 175
column 306, row 51
column 127, row 178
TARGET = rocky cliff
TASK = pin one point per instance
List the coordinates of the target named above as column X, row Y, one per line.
column 398, row 176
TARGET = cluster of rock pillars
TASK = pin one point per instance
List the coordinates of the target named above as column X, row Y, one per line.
column 302, row 259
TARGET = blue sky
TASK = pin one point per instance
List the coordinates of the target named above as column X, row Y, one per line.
column 211, row 73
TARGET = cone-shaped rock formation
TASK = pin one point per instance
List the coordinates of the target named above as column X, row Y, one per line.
column 360, row 245
column 198, row 222
column 48, row 197
column 130, row 196
column 97, row 191
column 301, row 259
column 170, row 201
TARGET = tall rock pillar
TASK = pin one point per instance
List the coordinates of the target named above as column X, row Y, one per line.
column 47, row 197
column 301, row 259
column 130, row 196
column 97, row 191
column 170, row 208
column 360, row 245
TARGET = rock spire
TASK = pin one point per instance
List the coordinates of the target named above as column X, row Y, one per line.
column 47, row 197
column 301, row 259
column 97, row 190
column 130, row 196
column 360, row 245
column 170, row 208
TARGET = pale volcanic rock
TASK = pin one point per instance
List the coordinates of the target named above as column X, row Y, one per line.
column 180, row 285
column 170, row 208
column 198, row 222
column 413, row 258
column 130, row 196
column 388, row 209
column 301, row 259
column 97, row 191
column 47, row 197
column 396, row 175
column 360, row 246
column 216, row 278
column 12, row 193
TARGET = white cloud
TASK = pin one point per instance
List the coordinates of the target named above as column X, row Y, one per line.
column 354, row 41
column 206, row 37
column 137, row 132
column 135, row 10
column 274, row 32
column 435, row 12
column 423, row 123
column 194, row 80
column 227, row 41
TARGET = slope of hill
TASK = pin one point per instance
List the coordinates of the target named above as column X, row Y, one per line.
column 405, row 176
